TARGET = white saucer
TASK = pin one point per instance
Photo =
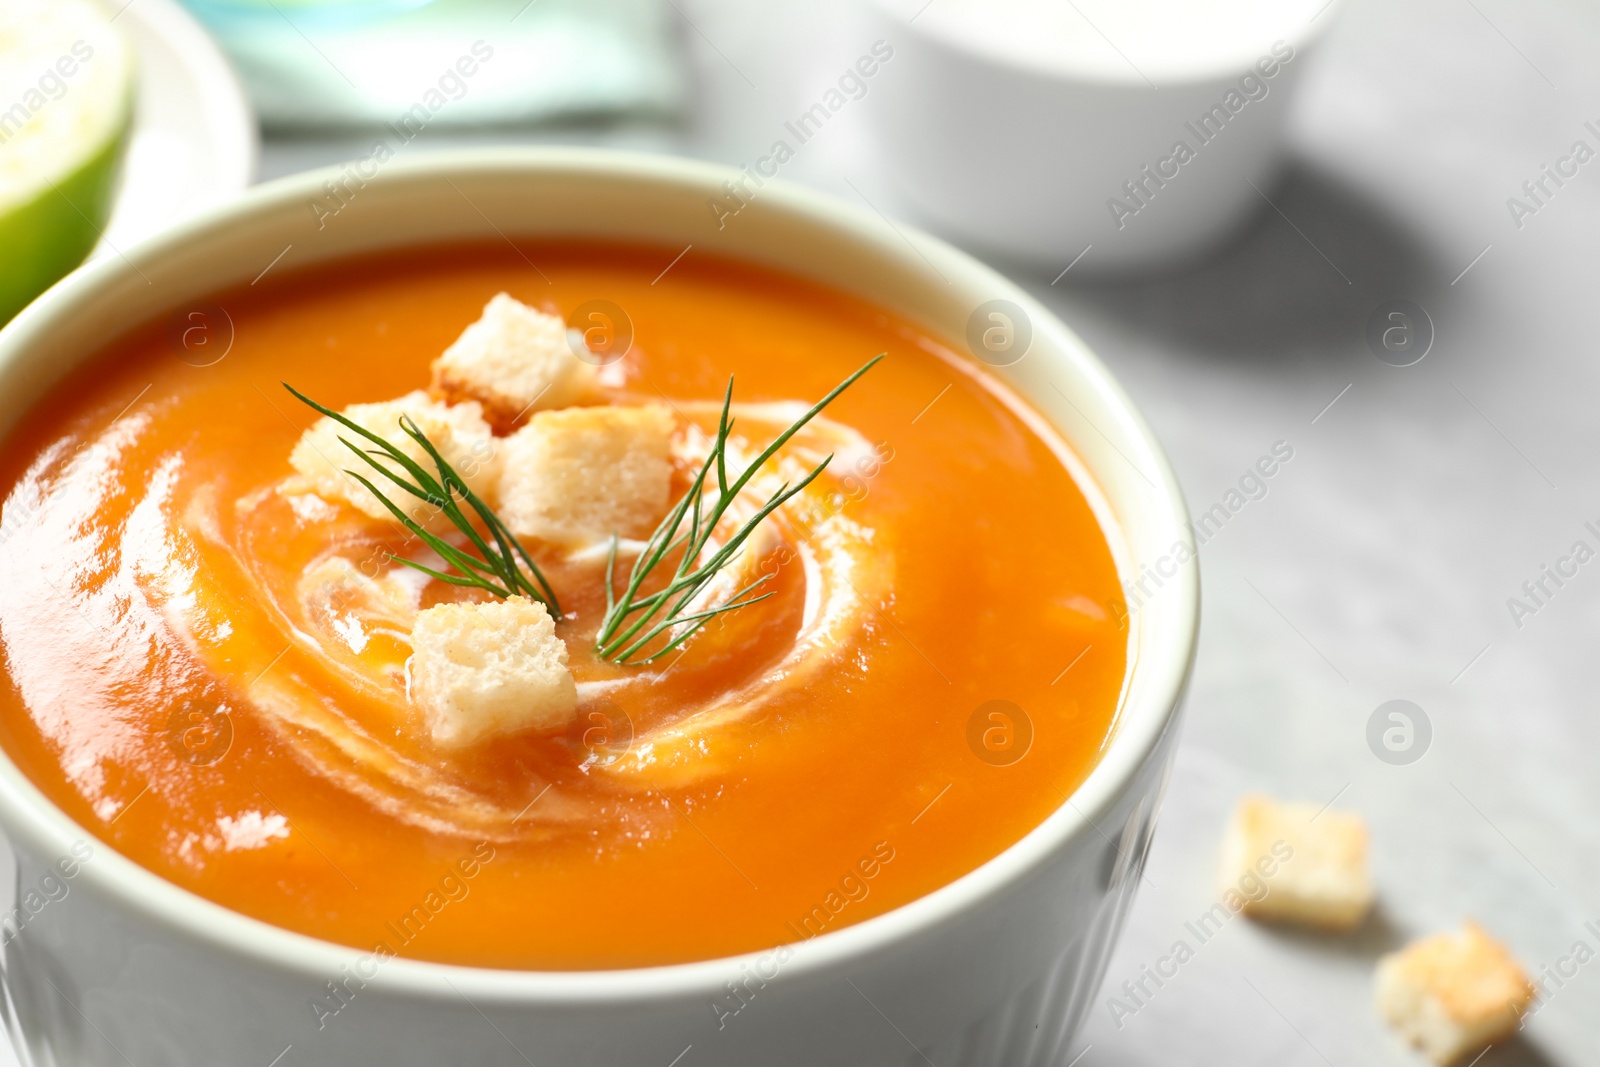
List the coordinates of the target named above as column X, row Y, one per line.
column 194, row 141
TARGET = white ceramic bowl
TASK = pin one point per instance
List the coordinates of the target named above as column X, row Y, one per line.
column 1028, row 149
column 995, row 968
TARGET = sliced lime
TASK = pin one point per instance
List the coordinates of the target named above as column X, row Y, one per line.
column 66, row 95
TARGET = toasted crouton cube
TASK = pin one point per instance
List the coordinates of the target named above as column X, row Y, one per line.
column 483, row 669
column 578, row 475
column 513, row 360
column 458, row 431
column 1453, row 995
column 1313, row 866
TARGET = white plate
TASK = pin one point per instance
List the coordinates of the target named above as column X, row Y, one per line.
column 194, row 139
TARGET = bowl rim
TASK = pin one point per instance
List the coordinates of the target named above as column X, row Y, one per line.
column 28, row 816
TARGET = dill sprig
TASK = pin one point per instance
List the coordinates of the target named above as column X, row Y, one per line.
column 495, row 567
column 632, row 621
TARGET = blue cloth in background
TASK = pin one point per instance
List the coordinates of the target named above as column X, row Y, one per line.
column 348, row 63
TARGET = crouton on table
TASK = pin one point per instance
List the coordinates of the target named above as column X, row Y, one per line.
column 577, row 475
column 479, row 669
column 1314, row 866
column 458, row 431
column 513, row 360
column 1453, row 995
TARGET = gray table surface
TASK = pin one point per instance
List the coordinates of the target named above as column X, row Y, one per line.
column 1380, row 563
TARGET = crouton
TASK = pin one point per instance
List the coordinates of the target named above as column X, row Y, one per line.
column 458, row 431
column 513, row 360
column 490, row 668
column 578, row 475
column 1453, row 995
column 1313, row 866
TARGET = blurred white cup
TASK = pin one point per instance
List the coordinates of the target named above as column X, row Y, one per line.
column 1116, row 135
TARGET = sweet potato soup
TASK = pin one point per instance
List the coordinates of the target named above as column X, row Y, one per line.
column 222, row 658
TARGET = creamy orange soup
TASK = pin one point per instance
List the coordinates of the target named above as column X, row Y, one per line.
column 198, row 671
